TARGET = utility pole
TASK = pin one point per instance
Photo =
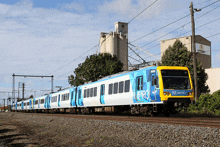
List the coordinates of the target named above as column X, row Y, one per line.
column 4, row 105
column 194, row 52
column 23, row 91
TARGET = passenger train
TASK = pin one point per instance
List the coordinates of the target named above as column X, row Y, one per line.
column 150, row 90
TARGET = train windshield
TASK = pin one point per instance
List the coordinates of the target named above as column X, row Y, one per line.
column 175, row 79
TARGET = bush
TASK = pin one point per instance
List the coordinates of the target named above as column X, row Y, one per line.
column 207, row 103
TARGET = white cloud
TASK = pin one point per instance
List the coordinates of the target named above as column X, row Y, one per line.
column 40, row 41
column 72, row 6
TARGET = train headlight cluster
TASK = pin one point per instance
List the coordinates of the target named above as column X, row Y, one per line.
column 189, row 93
column 166, row 93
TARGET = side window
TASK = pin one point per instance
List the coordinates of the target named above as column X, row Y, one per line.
column 42, row 101
column 28, row 104
column 25, row 104
column 54, row 99
column 95, row 91
column 152, row 80
column 88, row 92
column 79, row 96
column 84, row 93
column 36, row 102
column 121, row 86
column 115, row 88
column 62, row 97
column 127, row 86
column 91, row 92
column 110, row 88
column 67, row 96
column 157, row 84
column 140, row 83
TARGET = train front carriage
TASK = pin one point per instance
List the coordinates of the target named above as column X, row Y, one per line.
column 175, row 85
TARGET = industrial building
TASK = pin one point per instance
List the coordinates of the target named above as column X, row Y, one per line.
column 116, row 43
column 203, row 53
column 203, row 48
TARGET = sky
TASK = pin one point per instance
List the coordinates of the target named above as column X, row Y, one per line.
column 51, row 37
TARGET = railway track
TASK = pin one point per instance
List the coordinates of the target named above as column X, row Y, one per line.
column 193, row 121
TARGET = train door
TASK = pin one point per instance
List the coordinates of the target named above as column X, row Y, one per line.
column 154, row 87
column 45, row 102
column 73, row 97
column 59, row 100
column 22, row 105
column 139, row 89
column 33, row 103
column 48, row 103
column 30, row 104
column 80, row 99
column 102, row 94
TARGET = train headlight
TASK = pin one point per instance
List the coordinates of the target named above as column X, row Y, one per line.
column 189, row 93
column 166, row 93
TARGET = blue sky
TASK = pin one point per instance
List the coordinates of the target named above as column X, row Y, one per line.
column 46, row 37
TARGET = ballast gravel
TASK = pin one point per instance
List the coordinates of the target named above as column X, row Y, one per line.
column 42, row 130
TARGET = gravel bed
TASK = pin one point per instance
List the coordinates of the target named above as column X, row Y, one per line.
column 63, row 131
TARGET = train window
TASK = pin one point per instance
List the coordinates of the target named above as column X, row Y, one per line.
column 84, row 93
column 127, row 85
column 36, row 102
column 67, row 96
column 95, row 91
column 79, row 96
column 28, row 104
column 91, row 92
column 121, row 86
column 54, row 99
column 140, row 83
column 110, row 88
column 25, row 104
column 88, row 92
column 152, row 80
column 42, row 101
column 103, row 89
column 115, row 88
column 157, row 84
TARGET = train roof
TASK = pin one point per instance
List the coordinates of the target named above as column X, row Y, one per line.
column 120, row 74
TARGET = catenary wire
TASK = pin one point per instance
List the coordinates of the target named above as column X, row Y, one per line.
column 171, row 23
column 142, row 11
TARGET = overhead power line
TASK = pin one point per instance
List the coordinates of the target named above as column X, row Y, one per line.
column 134, row 59
column 143, row 11
column 74, row 59
column 161, row 28
column 210, row 4
column 188, row 32
column 171, row 23
column 213, row 35
column 179, row 27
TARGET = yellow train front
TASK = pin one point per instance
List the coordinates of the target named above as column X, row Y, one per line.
column 175, row 84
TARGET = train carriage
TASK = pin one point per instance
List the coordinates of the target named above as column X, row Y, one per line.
column 26, row 105
column 152, row 86
column 141, row 91
column 39, row 103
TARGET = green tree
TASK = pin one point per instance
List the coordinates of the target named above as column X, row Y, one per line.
column 178, row 55
column 94, row 68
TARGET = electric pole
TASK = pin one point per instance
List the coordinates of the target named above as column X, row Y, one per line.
column 4, row 105
column 194, row 52
column 23, row 91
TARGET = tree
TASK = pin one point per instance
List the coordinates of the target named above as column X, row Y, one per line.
column 94, row 68
column 178, row 55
